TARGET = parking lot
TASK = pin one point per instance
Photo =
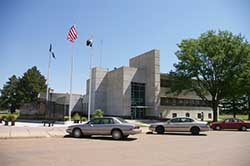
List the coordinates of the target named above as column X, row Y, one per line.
column 220, row 148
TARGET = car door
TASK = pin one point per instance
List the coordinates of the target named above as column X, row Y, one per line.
column 228, row 124
column 186, row 124
column 237, row 124
column 101, row 126
column 107, row 124
column 173, row 125
column 91, row 127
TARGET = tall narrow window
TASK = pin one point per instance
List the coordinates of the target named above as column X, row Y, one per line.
column 187, row 114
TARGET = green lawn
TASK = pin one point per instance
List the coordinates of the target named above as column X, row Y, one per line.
column 243, row 117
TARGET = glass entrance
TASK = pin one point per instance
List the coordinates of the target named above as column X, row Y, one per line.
column 137, row 100
column 137, row 113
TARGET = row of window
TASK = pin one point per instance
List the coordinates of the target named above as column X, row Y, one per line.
column 199, row 115
column 183, row 102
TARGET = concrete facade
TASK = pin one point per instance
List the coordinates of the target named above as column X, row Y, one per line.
column 112, row 91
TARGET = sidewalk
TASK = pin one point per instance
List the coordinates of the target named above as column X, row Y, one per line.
column 31, row 130
column 36, row 130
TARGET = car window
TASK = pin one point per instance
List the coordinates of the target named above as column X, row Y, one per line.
column 175, row 120
column 107, row 121
column 237, row 120
column 183, row 120
column 121, row 120
column 95, row 121
column 187, row 120
column 227, row 120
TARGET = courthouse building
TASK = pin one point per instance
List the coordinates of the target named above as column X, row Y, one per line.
column 141, row 91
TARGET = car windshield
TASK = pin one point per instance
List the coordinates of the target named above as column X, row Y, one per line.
column 121, row 120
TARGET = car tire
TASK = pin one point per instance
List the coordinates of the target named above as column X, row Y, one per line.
column 159, row 129
column 195, row 130
column 243, row 128
column 77, row 133
column 116, row 134
column 217, row 127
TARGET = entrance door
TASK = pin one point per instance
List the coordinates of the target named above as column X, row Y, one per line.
column 137, row 113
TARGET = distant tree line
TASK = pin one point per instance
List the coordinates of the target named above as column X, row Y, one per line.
column 20, row 90
column 216, row 66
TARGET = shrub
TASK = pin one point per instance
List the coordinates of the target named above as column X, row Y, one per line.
column 66, row 118
column 12, row 117
column 83, row 119
column 98, row 113
column 76, row 117
column 4, row 117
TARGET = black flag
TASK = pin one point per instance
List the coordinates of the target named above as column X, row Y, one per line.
column 89, row 42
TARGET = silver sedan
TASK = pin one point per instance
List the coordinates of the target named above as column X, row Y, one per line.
column 117, row 127
column 180, row 124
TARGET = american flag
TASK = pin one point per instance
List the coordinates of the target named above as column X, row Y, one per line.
column 72, row 34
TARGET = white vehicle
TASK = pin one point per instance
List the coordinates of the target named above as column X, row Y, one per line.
column 180, row 124
column 117, row 127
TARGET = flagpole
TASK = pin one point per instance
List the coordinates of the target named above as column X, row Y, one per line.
column 70, row 96
column 47, row 90
column 101, row 50
column 90, row 82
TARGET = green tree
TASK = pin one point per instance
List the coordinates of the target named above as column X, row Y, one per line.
column 245, row 85
column 32, row 83
column 98, row 113
column 18, row 91
column 210, row 66
column 11, row 95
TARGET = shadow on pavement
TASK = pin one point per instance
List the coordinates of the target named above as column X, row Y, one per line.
column 178, row 134
column 104, row 138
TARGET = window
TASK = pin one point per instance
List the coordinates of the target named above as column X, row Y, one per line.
column 187, row 114
column 229, row 120
column 175, row 120
column 174, row 115
column 137, row 94
column 95, row 121
column 121, row 120
column 199, row 115
column 107, row 121
column 186, row 120
column 209, row 115
column 237, row 121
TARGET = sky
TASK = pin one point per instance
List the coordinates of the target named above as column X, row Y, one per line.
column 125, row 28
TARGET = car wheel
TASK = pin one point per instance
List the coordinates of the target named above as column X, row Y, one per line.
column 116, row 134
column 217, row 127
column 243, row 128
column 77, row 133
column 195, row 130
column 160, row 129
